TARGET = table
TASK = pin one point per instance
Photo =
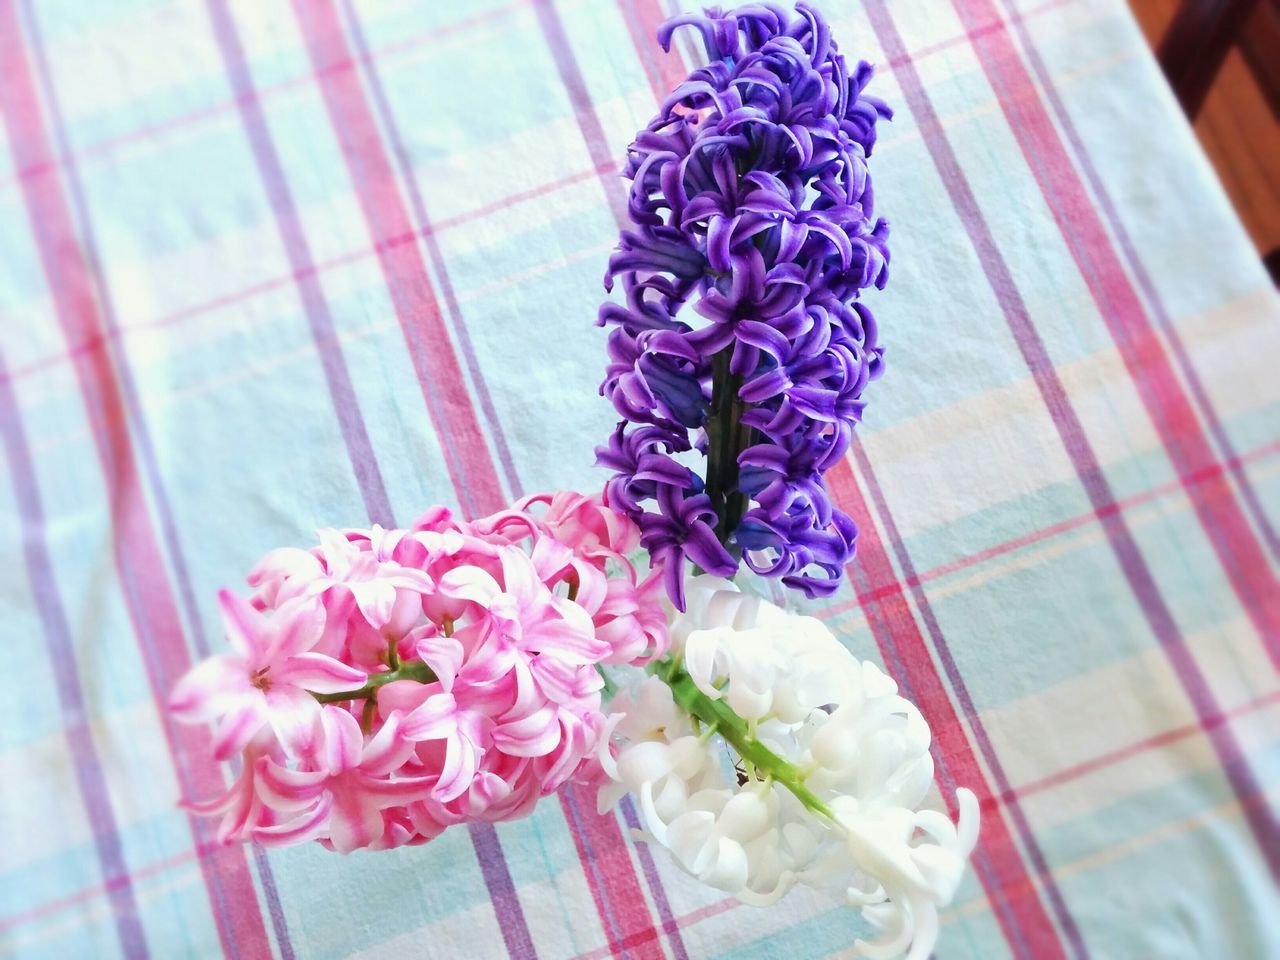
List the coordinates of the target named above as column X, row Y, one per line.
column 268, row 267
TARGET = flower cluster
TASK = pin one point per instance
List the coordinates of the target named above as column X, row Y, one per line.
column 389, row 683
column 763, row 755
column 751, row 197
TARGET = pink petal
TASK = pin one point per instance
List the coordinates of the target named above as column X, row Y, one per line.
column 493, row 658
column 376, row 600
column 241, row 818
column 292, row 713
column 357, row 819
column 496, row 697
column 408, row 578
column 519, row 577
column 625, row 638
column 387, row 792
column 469, row 583
column 528, row 694
column 237, row 728
column 299, row 830
column 287, row 790
column 342, row 741
column 567, row 639
column 436, row 719
column 461, row 760
column 593, row 587
column 386, row 750
column 383, row 542
column 285, row 562
column 397, row 831
column 550, row 558
column 297, row 625
column 556, row 678
column 406, row 613
column 487, row 790
column 246, row 627
column 443, row 655
column 436, row 518
column 532, row 736
column 209, row 688
column 319, row 674
column 565, row 760
column 338, row 552
column 405, row 695
column 220, row 803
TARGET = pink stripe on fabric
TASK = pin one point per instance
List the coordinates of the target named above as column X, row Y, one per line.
column 440, row 376
column 346, row 404
column 90, row 777
column 1069, row 429
column 1010, row 888
column 639, row 15
column 686, row 920
column 654, row 881
column 604, row 171
column 296, row 277
column 961, row 692
column 611, row 877
column 423, row 228
column 620, row 895
column 1084, row 159
column 584, row 110
column 665, row 71
column 1015, row 16
column 138, row 557
column 142, row 437
column 474, row 478
column 106, row 147
column 111, row 331
column 1059, row 528
column 51, row 907
column 1051, row 782
column 1118, row 304
column 1157, row 742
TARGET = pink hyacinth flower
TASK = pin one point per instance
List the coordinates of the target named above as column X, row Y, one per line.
column 268, row 678
column 586, row 524
column 464, row 732
column 482, row 639
column 339, row 565
column 344, row 797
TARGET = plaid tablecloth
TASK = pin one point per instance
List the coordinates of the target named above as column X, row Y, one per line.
column 265, row 268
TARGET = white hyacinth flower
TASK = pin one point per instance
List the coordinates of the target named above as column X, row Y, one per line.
column 764, row 754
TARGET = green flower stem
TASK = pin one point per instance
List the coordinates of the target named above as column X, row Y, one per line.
column 727, row 437
column 408, row 670
column 720, row 716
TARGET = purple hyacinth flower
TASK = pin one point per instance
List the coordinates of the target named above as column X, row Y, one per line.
column 742, row 337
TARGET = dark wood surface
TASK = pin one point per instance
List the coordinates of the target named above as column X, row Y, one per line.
column 1195, row 44
column 1236, row 120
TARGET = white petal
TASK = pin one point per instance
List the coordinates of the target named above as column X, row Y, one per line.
column 731, row 869
column 745, row 817
column 692, row 840
column 644, row 763
column 701, row 654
